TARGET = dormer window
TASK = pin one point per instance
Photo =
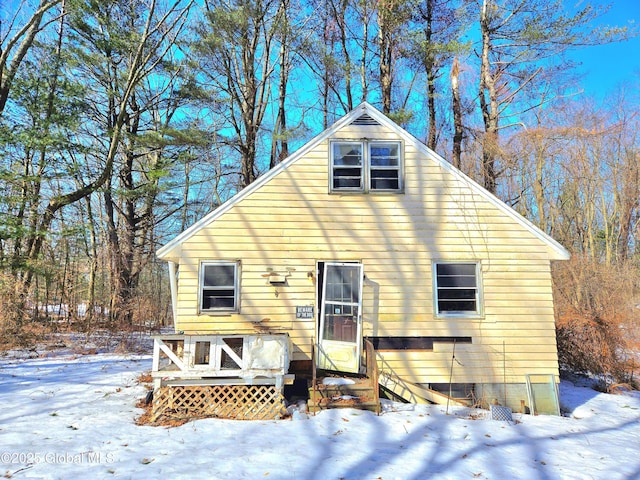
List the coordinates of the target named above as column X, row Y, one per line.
column 366, row 166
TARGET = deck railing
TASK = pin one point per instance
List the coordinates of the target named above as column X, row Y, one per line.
column 208, row 359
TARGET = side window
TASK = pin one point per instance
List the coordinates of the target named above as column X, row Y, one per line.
column 384, row 162
column 218, row 287
column 457, row 289
column 347, row 164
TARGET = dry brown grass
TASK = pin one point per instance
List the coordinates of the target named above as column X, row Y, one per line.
column 12, row 315
column 595, row 313
column 145, row 418
column 146, row 379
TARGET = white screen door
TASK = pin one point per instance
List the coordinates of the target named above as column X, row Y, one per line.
column 340, row 332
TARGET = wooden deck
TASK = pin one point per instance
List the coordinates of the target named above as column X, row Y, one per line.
column 226, row 376
column 243, row 377
column 245, row 358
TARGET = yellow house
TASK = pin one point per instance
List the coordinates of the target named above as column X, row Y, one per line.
column 365, row 233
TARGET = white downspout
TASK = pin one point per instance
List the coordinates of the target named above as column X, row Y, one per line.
column 173, row 284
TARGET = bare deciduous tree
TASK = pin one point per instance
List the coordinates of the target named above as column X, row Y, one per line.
column 517, row 40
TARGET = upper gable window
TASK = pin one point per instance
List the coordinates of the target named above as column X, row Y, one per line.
column 347, row 171
column 367, row 166
column 384, row 166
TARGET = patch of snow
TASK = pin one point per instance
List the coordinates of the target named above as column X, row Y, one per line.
column 345, row 397
column 337, row 381
column 73, row 417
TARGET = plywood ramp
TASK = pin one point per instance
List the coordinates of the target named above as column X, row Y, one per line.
column 413, row 393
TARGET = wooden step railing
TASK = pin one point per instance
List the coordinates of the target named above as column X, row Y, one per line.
column 371, row 365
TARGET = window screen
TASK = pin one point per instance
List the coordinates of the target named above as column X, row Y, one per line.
column 366, row 166
column 457, row 288
column 219, row 290
column 347, row 166
column 384, row 161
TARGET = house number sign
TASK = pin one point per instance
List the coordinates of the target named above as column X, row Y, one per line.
column 304, row 312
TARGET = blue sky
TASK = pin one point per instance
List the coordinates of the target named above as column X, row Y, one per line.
column 606, row 67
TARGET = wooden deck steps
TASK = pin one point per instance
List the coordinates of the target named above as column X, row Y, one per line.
column 343, row 392
column 335, row 390
column 338, row 390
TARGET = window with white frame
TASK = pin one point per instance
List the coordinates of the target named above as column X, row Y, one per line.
column 457, row 288
column 218, row 286
column 347, row 172
column 384, row 166
column 367, row 166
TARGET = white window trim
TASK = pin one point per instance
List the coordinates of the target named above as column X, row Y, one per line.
column 365, row 145
column 479, row 313
column 399, row 168
column 362, row 167
column 236, row 287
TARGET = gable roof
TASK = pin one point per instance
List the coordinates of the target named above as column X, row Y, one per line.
column 364, row 114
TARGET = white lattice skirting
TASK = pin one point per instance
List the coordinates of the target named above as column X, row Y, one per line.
column 240, row 402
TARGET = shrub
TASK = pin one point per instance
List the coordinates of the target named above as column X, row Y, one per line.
column 595, row 313
column 12, row 314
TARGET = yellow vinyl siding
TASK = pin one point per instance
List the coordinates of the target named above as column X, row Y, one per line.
column 292, row 221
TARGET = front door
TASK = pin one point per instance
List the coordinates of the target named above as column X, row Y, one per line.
column 340, row 329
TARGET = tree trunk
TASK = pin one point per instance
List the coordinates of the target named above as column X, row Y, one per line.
column 340, row 17
column 456, row 152
column 630, row 201
column 385, row 73
column 489, row 107
column 280, row 130
column 364, row 75
column 431, row 76
column 385, row 54
column 23, row 40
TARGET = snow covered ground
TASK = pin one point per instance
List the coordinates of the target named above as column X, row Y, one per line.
column 73, row 416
